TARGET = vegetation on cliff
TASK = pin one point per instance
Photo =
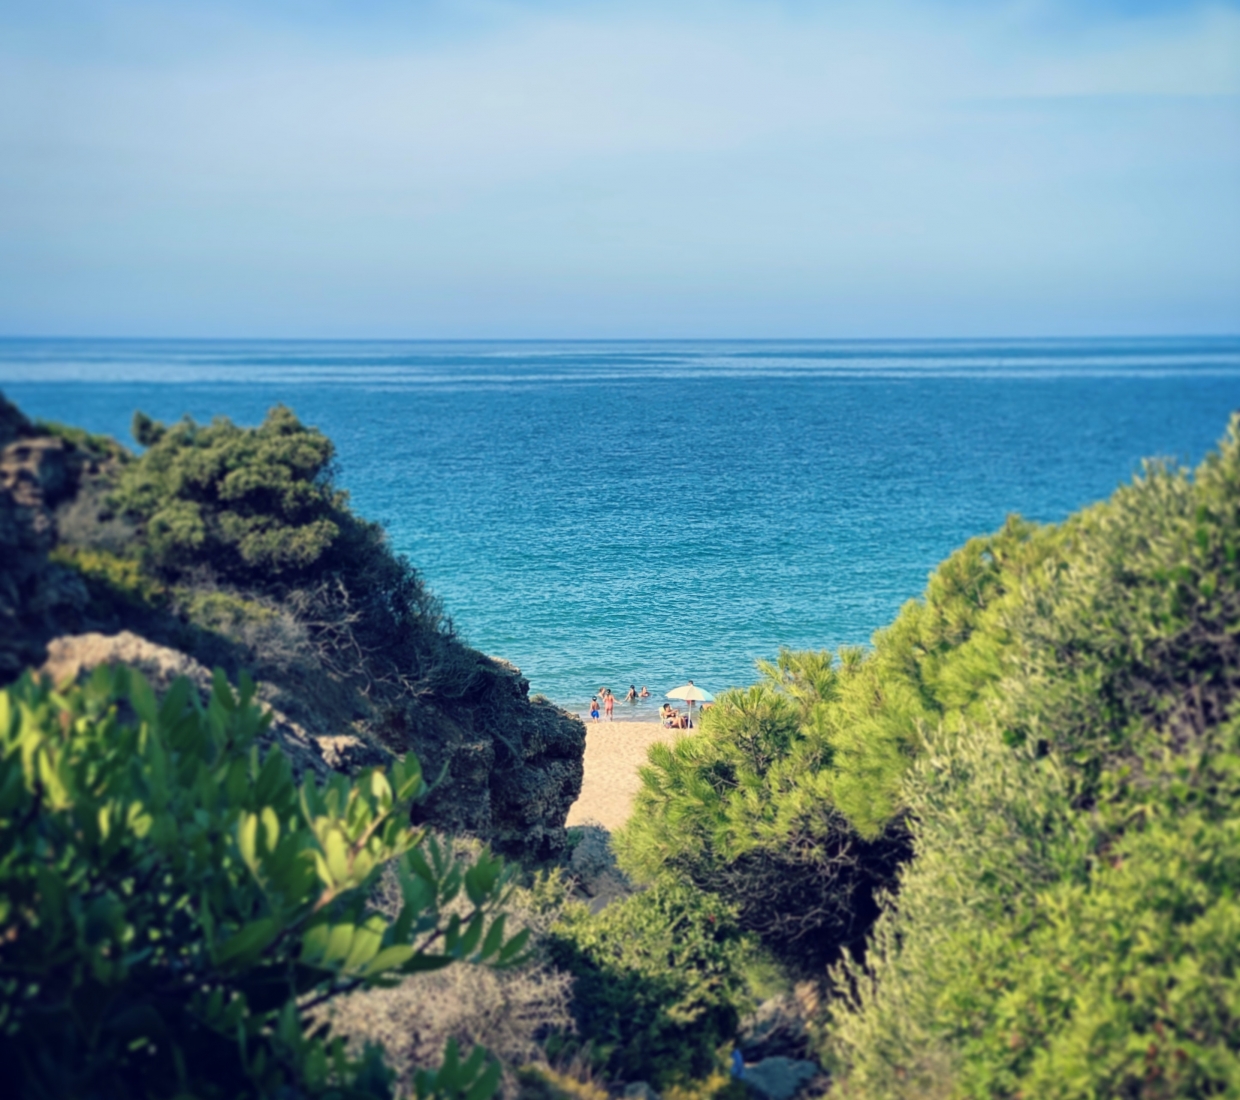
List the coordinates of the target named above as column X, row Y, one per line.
column 660, row 981
column 235, row 546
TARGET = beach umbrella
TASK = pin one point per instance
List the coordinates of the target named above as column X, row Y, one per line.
column 691, row 693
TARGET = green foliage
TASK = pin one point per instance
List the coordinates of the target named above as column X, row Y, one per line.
column 659, row 981
column 743, row 809
column 217, row 609
column 787, row 801
column 1070, row 926
column 538, row 1082
column 719, row 1085
column 254, row 511
column 243, row 501
column 113, row 582
column 98, row 448
column 171, row 903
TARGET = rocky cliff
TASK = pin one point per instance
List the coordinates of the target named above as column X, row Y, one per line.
column 74, row 594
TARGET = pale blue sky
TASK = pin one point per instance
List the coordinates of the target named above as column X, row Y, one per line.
column 608, row 169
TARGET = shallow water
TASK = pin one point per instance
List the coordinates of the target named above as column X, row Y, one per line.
column 616, row 513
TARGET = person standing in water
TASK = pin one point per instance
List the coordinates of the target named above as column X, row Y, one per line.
column 594, row 709
column 632, row 695
column 609, row 704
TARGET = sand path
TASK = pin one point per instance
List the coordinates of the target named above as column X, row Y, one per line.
column 614, row 752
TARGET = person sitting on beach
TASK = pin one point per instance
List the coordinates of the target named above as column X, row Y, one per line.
column 632, row 695
column 666, row 713
column 643, row 694
column 594, row 709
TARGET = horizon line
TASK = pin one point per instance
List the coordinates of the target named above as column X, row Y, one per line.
column 33, row 338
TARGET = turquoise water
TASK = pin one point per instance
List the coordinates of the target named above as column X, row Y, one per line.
column 616, row 513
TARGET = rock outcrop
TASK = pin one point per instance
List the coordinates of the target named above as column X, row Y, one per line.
column 35, row 475
column 73, row 656
column 502, row 767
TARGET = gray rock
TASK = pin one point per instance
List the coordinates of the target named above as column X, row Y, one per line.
column 775, row 1028
column 779, row 1078
column 70, row 657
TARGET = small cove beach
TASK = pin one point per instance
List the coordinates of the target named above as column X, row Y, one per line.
column 614, row 752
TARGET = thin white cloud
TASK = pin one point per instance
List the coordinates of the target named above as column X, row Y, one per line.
column 839, row 151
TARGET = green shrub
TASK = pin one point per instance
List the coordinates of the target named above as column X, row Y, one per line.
column 171, row 904
column 97, row 448
column 1069, row 924
column 743, row 809
column 245, row 502
column 255, row 510
column 217, row 609
column 660, row 981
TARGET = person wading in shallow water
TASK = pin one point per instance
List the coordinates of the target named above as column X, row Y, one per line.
column 609, row 705
column 632, row 695
column 594, row 709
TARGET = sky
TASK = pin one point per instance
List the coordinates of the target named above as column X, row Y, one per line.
column 611, row 169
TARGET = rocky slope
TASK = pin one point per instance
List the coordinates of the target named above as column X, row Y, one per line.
column 503, row 767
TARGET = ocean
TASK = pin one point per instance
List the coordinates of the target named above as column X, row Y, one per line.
column 644, row 512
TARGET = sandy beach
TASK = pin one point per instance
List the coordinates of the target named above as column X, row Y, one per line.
column 614, row 752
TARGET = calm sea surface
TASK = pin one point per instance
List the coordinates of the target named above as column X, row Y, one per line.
column 616, row 513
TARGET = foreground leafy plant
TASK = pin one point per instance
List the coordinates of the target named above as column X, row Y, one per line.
column 171, row 903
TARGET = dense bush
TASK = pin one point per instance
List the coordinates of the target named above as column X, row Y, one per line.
column 660, row 981
column 172, row 904
column 740, row 809
column 1053, row 728
column 256, row 509
column 246, row 502
column 786, row 802
column 1070, row 925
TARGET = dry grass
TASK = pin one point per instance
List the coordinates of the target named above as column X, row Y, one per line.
column 506, row 1011
column 509, row 1012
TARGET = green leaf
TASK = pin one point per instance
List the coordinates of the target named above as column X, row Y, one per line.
column 494, row 938
column 513, row 947
column 245, row 945
column 271, row 828
column 336, row 853
column 338, row 941
column 142, row 698
column 247, row 836
column 367, row 940
column 390, row 958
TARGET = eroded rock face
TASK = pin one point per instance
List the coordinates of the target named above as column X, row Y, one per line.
column 35, row 475
column 503, row 767
column 74, row 656
column 510, row 782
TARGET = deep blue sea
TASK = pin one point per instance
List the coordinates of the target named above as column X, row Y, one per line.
column 616, row 513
